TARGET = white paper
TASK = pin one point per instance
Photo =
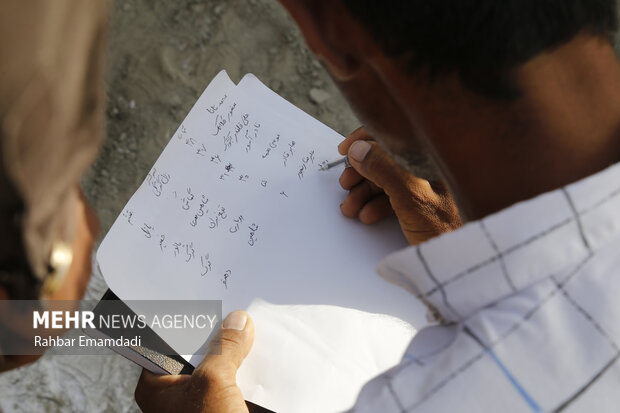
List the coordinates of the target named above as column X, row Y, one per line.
column 331, row 352
column 236, row 209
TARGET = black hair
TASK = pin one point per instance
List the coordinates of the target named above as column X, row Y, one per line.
column 480, row 40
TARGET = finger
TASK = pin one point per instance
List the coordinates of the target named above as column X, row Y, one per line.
column 358, row 197
column 375, row 210
column 155, row 392
column 214, row 379
column 349, row 178
column 236, row 336
column 156, row 381
column 359, row 134
column 375, row 165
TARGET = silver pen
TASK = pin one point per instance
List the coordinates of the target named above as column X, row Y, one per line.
column 330, row 165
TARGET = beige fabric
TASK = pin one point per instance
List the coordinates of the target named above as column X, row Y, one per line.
column 51, row 110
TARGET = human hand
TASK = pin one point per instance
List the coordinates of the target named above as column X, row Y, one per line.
column 379, row 188
column 212, row 387
column 78, row 275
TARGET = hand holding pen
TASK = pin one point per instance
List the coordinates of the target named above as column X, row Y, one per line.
column 379, row 188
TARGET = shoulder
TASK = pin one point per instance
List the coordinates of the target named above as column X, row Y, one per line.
column 534, row 351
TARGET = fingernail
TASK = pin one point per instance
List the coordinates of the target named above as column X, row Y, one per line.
column 235, row 320
column 359, row 150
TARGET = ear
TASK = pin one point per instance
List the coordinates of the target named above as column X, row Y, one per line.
column 327, row 28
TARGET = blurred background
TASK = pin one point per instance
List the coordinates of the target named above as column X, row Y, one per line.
column 161, row 56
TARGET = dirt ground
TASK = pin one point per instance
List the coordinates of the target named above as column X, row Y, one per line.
column 162, row 54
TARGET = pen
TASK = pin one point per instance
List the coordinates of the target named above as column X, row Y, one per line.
column 330, row 165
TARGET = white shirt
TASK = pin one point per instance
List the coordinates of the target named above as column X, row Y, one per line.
column 530, row 299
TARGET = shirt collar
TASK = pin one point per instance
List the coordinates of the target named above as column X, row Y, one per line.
column 485, row 261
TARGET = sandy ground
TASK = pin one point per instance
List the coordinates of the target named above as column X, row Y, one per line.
column 162, row 55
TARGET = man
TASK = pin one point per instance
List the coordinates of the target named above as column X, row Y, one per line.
column 517, row 105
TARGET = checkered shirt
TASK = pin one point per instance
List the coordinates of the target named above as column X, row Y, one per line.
column 529, row 303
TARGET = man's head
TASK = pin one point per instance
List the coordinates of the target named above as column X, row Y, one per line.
column 483, row 41
column 407, row 53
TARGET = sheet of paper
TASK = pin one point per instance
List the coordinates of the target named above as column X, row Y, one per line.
column 236, row 209
column 331, row 352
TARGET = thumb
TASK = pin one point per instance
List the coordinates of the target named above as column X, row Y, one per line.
column 375, row 165
column 228, row 349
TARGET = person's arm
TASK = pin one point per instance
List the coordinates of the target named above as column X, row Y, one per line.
column 379, row 188
column 212, row 387
column 70, row 289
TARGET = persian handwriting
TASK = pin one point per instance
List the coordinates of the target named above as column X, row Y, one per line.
column 213, row 222
column 220, row 214
column 186, row 200
column 251, row 135
column 231, row 111
column 202, row 151
column 305, row 161
column 308, row 158
column 232, row 137
column 214, row 108
column 205, row 262
column 228, row 169
column 239, row 126
column 220, row 122
column 129, row 215
column 228, row 141
column 189, row 251
column 240, row 149
column 225, row 278
column 272, row 145
column 181, row 134
column 302, row 170
column 236, row 225
column 177, row 248
column 147, row 230
column 201, row 211
column 253, row 229
column 156, row 181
